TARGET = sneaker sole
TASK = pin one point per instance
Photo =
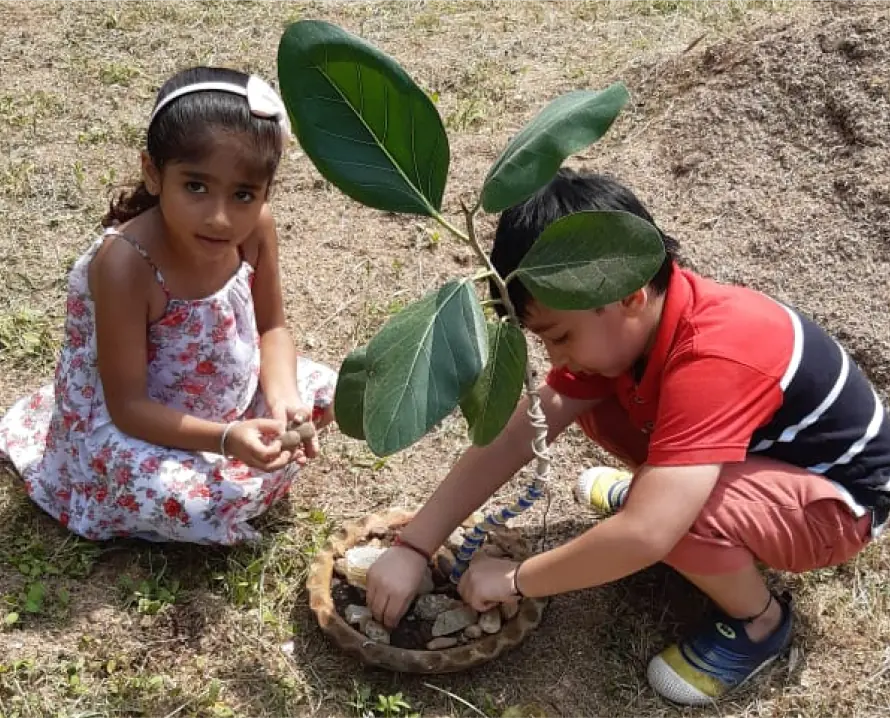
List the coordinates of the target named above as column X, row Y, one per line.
column 669, row 685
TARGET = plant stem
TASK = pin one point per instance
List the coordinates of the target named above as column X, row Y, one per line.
column 535, row 413
column 450, row 227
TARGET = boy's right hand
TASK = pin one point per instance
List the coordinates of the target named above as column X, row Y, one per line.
column 392, row 584
column 256, row 443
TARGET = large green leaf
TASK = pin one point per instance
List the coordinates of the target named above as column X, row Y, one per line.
column 568, row 124
column 362, row 120
column 490, row 403
column 590, row 259
column 420, row 364
column 349, row 396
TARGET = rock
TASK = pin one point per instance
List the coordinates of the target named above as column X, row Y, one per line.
column 509, row 610
column 456, row 539
column 474, row 518
column 426, row 583
column 358, row 560
column 441, row 643
column 377, row 529
column 445, row 561
column 490, row 621
column 430, row 605
column 287, row 648
column 473, row 632
column 375, row 631
column 375, row 543
column 340, row 567
column 356, row 615
column 454, row 620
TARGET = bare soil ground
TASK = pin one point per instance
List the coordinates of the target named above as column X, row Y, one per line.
column 758, row 137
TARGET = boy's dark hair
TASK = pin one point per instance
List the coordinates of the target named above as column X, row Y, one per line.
column 182, row 132
column 521, row 225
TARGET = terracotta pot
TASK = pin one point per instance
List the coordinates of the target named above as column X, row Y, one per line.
column 448, row 660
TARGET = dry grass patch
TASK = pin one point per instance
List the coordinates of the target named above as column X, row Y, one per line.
column 132, row 629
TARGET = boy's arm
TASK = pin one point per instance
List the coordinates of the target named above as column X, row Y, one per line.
column 663, row 505
column 393, row 579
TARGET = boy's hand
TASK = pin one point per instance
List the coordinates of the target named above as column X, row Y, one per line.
column 392, row 582
column 488, row 582
column 255, row 442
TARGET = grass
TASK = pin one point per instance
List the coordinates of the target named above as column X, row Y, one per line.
column 126, row 628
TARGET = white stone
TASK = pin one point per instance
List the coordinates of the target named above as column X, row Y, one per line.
column 454, row 620
column 287, row 648
column 490, row 621
column 441, row 643
column 456, row 539
column 358, row 560
column 376, row 632
column 473, row 632
column 355, row 614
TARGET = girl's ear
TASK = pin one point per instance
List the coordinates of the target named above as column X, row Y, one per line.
column 151, row 175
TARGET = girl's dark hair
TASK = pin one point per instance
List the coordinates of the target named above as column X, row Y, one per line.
column 519, row 226
column 183, row 131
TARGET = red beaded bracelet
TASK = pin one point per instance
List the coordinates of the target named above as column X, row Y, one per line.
column 399, row 541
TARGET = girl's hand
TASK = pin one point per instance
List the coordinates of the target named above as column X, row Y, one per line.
column 291, row 414
column 256, row 442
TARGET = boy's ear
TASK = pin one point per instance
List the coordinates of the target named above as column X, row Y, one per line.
column 151, row 175
column 636, row 302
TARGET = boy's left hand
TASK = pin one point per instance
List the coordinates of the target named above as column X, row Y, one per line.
column 487, row 582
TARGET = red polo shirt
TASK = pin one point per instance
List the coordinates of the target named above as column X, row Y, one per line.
column 712, row 378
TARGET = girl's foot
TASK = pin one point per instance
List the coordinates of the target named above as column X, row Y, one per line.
column 719, row 659
column 603, row 488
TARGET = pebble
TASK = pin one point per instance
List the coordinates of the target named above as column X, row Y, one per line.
column 287, row 648
column 474, row 518
column 430, row 605
column 356, row 615
column 473, row 632
column 445, row 561
column 509, row 610
column 454, row 620
column 441, row 643
column 377, row 529
column 340, row 567
column 375, row 631
column 456, row 539
column 490, row 621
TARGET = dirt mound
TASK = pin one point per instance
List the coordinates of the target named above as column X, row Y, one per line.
column 773, row 171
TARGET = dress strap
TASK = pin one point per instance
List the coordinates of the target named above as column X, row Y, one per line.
column 139, row 248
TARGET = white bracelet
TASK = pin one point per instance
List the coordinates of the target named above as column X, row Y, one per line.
column 222, row 441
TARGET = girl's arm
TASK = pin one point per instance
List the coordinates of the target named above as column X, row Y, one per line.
column 121, row 283
column 278, row 355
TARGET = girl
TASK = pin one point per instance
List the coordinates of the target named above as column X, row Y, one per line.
column 177, row 375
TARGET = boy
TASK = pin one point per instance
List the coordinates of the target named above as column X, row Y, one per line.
column 751, row 434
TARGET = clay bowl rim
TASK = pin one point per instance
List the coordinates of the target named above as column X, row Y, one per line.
column 322, row 604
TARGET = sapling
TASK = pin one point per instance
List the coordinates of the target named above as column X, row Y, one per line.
column 375, row 135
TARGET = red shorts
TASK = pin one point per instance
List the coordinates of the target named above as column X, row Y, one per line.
column 760, row 510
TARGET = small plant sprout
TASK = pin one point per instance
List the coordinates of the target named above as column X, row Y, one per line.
column 375, row 135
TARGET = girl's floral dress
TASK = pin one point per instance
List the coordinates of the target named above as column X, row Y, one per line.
column 203, row 359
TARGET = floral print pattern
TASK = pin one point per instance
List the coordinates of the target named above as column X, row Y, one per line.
column 203, row 359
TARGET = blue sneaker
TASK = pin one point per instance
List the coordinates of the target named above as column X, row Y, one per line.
column 701, row 669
